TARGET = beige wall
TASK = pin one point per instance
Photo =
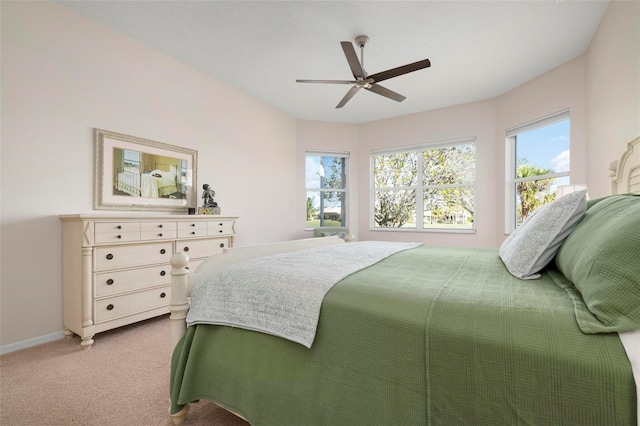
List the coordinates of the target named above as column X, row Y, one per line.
column 613, row 90
column 601, row 89
column 63, row 75
column 559, row 89
column 475, row 119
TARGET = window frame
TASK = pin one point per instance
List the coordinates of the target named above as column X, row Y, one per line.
column 511, row 180
column 137, row 161
column 345, row 190
column 419, row 186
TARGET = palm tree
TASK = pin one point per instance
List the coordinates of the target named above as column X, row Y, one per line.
column 311, row 208
column 533, row 193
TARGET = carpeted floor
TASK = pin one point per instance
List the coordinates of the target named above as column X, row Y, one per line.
column 122, row 380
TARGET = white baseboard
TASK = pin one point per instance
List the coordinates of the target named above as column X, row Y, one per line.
column 12, row 347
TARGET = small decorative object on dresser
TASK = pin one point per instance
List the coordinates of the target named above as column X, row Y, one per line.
column 116, row 269
column 209, row 206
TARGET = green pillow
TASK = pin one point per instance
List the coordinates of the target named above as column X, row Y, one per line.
column 592, row 202
column 601, row 258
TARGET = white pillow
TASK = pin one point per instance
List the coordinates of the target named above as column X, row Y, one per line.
column 532, row 246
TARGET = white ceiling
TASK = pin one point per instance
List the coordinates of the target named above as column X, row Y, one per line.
column 478, row 49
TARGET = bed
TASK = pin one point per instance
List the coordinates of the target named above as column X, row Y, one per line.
column 159, row 182
column 423, row 335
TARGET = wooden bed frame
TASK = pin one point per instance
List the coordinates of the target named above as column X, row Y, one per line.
column 625, row 178
column 124, row 179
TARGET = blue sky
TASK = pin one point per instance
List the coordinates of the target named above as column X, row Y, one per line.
column 546, row 147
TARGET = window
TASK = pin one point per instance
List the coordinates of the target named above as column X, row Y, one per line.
column 326, row 187
column 537, row 162
column 427, row 187
column 131, row 159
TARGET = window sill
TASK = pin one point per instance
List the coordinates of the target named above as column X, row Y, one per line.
column 428, row 231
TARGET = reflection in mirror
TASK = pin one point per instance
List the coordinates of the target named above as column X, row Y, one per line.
column 140, row 174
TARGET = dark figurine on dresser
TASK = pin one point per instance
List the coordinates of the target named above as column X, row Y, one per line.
column 209, row 205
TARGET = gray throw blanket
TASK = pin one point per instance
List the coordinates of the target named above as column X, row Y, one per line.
column 282, row 294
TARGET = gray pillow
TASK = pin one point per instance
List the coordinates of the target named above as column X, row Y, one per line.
column 342, row 235
column 533, row 245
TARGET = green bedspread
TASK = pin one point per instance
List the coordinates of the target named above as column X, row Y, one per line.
column 429, row 336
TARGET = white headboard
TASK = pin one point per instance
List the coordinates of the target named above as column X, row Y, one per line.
column 625, row 176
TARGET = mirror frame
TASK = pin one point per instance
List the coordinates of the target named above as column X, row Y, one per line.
column 104, row 180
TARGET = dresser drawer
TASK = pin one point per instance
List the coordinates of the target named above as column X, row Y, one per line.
column 194, row 264
column 113, row 282
column 202, row 248
column 158, row 231
column 192, row 229
column 220, row 227
column 116, row 267
column 113, row 232
column 116, row 257
column 128, row 304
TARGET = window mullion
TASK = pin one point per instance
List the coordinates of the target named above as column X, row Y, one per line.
column 420, row 193
column 540, row 177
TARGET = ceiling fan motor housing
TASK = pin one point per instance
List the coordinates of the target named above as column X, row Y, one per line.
column 361, row 40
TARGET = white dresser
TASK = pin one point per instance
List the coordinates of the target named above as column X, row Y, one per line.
column 116, row 270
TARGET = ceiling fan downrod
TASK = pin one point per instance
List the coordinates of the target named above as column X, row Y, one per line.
column 361, row 41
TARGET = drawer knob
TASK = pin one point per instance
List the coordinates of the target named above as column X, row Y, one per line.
column 162, row 251
column 193, row 224
column 220, row 231
column 163, row 295
column 186, row 249
column 221, row 245
column 109, row 307
column 119, row 236
column 109, row 281
column 220, row 224
column 163, row 273
column 160, row 234
column 160, row 226
column 109, row 256
column 118, row 227
column 193, row 233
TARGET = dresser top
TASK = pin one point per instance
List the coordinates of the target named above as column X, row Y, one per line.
column 130, row 216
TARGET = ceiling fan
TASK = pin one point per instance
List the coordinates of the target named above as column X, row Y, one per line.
column 365, row 81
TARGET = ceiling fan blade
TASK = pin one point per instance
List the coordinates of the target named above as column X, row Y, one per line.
column 376, row 88
column 395, row 72
column 352, row 59
column 327, row 81
column 348, row 96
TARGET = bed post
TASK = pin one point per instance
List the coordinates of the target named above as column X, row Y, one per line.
column 179, row 307
column 179, row 296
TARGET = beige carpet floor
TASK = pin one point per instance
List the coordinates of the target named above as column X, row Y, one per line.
column 122, row 380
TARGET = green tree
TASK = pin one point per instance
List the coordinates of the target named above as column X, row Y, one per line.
column 453, row 165
column 533, row 193
column 394, row 208
column 335, row 177
column 311, row 208
column 444, row 170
